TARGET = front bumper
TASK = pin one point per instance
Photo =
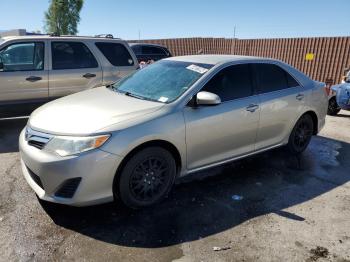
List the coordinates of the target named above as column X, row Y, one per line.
column 46, row 173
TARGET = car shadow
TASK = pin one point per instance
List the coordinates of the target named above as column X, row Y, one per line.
column 218, row 199
column 9, row 133
column 342, row 115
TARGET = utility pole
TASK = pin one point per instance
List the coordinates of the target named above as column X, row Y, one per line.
column 139, row 34
column 233, row 45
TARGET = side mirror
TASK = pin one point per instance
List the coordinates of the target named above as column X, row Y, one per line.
column 207, row 99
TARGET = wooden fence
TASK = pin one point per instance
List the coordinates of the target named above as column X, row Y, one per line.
column 331, row 55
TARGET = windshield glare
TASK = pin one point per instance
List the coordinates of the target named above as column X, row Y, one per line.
column 163, row 81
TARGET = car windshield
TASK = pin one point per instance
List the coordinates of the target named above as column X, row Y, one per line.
column 163, row 81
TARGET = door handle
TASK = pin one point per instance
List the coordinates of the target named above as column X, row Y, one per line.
column 252, row 107
column 89, row 75
column 299, row 96
column 33, row 78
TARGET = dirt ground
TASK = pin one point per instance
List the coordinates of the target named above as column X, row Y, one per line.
column 270, row 207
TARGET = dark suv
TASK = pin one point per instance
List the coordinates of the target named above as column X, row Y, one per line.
column 146, row 52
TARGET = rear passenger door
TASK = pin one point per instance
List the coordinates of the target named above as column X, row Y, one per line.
column 73, row 68
column 282, row 100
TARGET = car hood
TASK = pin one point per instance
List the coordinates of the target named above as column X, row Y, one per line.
column 89, row 111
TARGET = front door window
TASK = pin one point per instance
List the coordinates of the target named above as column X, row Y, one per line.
column 22, row 57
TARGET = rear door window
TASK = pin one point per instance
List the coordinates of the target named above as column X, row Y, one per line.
column 272, row 78
column 27, row 56
column 71, row 55
column 291, row 81
column 117, row 54
column 152, row 50
column 231, row 83
column 136, row 49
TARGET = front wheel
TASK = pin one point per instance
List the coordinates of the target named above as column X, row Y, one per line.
column 147, row 177
column 333, row 107
column 301, row 135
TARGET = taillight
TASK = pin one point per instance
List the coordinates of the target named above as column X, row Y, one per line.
column 326, row 90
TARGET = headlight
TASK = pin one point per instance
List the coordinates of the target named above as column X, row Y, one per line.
column 66, row 146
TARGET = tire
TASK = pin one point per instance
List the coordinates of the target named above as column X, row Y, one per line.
column 146, row 178
column 333, row 107
column 301, row 135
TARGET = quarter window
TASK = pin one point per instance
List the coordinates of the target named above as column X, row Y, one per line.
column 231, row 83
column 71, row 55
column 116, row 54
column 23, row 57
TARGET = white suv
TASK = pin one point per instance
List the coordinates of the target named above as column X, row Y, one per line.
column 37, row 69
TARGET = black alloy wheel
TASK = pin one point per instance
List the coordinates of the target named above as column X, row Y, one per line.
column 301, row 135
column 333, row 107
column 147, row 177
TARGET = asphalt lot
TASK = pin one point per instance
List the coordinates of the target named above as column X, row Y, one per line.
column 293, row 209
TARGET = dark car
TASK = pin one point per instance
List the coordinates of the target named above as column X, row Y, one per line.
column 146, row 52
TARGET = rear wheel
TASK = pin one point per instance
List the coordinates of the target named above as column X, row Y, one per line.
column 147, row 177
column 301, row 135
column 333, row 107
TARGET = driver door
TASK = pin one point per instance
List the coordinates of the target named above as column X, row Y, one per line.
column 228, row 130
column 23, row 78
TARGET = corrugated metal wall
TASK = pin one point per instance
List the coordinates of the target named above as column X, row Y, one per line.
column 331, row 54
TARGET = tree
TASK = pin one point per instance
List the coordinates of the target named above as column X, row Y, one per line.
column 63, row 17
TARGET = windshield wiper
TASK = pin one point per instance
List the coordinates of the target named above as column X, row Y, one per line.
column 134, row 95
column 111, row 86
column 140, row 97
column 127, row 93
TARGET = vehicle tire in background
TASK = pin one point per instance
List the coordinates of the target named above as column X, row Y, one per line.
column 146, row 178
column 301, row 134
column 333, row 107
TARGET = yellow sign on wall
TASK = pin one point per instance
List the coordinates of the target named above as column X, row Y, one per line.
column 309, row 56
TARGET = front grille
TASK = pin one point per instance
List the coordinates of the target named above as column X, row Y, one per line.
column 36, row 178
column 36, row 139
column 68, row 188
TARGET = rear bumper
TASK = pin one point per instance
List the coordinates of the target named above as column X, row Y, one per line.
column 47, row 173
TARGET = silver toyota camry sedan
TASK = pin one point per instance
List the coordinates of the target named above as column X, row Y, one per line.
column 130, row 140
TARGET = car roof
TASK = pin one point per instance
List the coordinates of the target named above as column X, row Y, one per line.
column 147, row 44
column 217, row 59
column 44, row 37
